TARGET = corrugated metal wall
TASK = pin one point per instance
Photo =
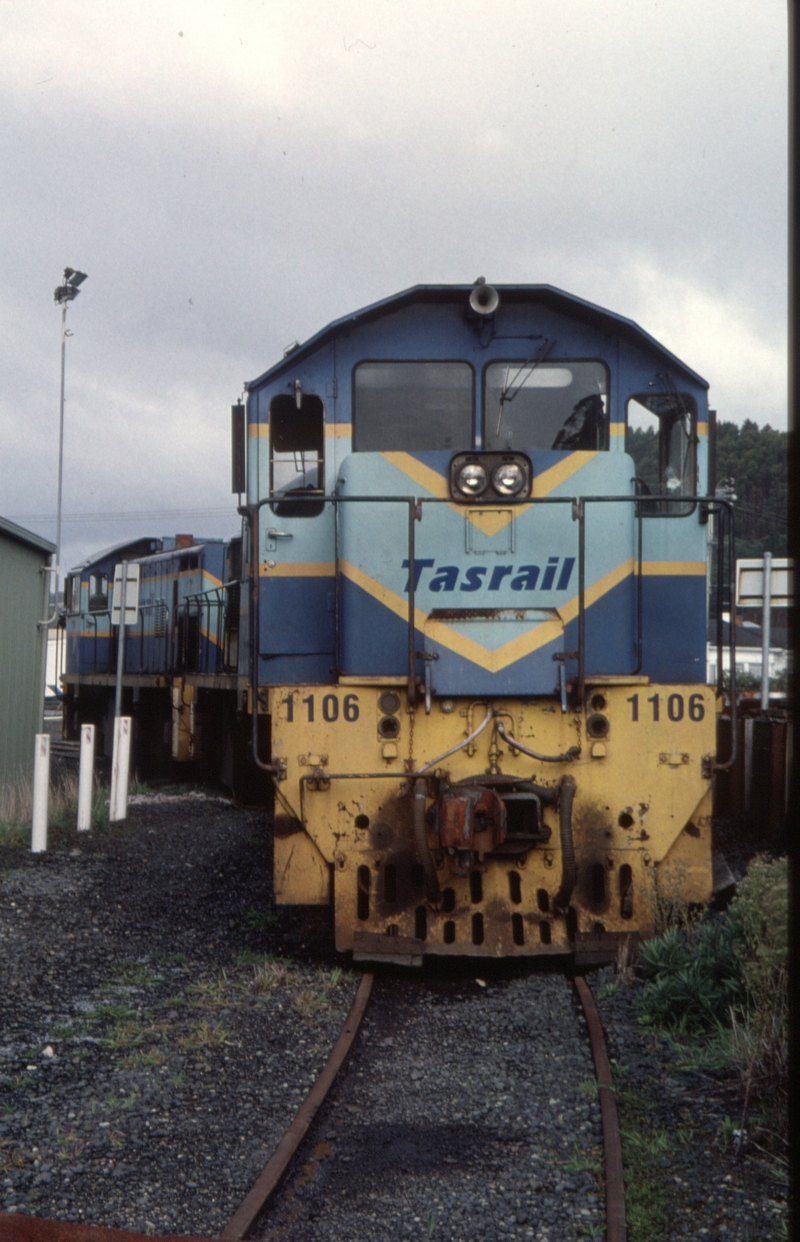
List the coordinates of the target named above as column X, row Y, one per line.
column 23, row 600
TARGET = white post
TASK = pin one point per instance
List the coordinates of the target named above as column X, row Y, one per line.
column 766, row 617
column 41, row 792
column 121, row 640
column 118, row 808
column 86, row 778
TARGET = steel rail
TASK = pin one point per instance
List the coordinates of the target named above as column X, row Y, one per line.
column 17, row 1228
column 244, row 1217
column 616, row 1224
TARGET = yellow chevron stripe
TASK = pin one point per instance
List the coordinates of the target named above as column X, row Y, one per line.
column 697, row 568
column 510, row 652
column 489, row 522
column 433, row 482
column 389, row 599
column 550, row 479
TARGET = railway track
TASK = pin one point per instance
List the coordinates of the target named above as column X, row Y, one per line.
column 465, row 1112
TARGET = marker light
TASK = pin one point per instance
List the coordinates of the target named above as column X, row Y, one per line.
column 508, row 479
column 472, row 479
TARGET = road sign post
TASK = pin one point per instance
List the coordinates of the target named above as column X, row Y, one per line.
column 124, row 612
column 765, row 582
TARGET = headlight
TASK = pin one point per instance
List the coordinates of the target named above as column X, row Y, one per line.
column 508, row 479
column 472, row 479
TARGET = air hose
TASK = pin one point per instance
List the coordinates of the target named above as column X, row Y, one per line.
column 432, row 889
column 569, row 870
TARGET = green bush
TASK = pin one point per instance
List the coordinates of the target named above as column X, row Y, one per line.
column 728, row 972
column 694, row 983
column 760, row 916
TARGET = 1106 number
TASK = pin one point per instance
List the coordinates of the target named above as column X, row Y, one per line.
column 330, row 708
column 675, row 706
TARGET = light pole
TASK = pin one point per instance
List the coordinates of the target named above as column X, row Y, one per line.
column 64, row 294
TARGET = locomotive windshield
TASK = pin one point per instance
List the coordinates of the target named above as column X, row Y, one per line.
column 408, row 406
column 546, row 406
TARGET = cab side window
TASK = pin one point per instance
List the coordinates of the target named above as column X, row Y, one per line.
column 661, row 437
column 98, row 593
column 72, row 594
column 296, row 455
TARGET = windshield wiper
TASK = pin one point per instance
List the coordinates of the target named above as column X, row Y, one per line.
column 532, row 361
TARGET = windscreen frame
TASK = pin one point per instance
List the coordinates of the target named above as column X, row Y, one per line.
column 455, row 447
column 546, row 363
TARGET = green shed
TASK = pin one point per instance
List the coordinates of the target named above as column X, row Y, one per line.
column 24, row 600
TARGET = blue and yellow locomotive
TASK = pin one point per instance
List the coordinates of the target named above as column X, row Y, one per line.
column 470, row 648
column 180, row 658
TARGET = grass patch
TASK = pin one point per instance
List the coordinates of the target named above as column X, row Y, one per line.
column 271, row 975
column 589, row 1088
column 212, row 993
column 111, row 1011
column 61, row 1030
column 127, row 1035
column 206, row 1035
column 116, row 1103
column 262, row 920
column 18, row 1083
column 11, row 1157
column 590, row 1161
column 310, row 1001
column 69, row 1146
column 252, row 957
column 134, row 975
column 16, row 807
column 646, row 1201
column 145, row 1057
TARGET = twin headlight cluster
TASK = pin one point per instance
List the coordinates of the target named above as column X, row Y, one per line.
column 490, row 476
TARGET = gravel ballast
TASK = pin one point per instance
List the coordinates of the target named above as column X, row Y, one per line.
column 160, row 1024
column 467, row 1112
column 147, row 1066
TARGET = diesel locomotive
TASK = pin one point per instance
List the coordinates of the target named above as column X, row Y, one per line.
column 461, row 639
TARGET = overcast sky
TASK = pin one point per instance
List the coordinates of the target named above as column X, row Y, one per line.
column 232, row 176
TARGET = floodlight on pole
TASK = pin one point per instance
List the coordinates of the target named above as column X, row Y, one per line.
column 64, row 294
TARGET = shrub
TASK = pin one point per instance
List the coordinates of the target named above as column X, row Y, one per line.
column 760, row 915
column 693, row 983
column 729, row 972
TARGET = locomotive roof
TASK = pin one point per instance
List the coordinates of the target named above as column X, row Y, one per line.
column 547, row 295
column 157, row 549
column 117, row 549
